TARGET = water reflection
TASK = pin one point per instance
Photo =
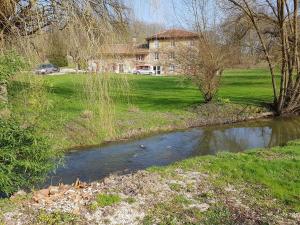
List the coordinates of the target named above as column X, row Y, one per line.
column 96, row 163
column 213, row 140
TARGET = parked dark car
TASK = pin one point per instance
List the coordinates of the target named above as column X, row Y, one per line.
column 47, row 69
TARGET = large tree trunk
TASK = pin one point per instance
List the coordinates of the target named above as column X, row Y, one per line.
column 277, row 27
column 3, row 93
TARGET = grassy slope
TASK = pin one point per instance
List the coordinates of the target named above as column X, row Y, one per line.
column 274, row 172
column 267, row 181
column 152, row 101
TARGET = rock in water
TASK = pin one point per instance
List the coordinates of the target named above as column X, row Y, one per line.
column 143, row 146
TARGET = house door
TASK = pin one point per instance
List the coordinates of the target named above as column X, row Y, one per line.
column 121, row 68
column 157, row 69
column 114, row 68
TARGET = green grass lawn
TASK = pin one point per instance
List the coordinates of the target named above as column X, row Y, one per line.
column 151, row 93
column 150, row 102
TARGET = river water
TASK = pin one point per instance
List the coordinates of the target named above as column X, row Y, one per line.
column 163, row 149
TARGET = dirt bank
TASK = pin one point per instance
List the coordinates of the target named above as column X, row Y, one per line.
column 141, row 198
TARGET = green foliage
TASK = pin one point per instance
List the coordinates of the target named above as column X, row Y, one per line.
column 10, row 63
column 58, row 60
column 25, row 156
column 103, row 200
column 57, row 49
column 56, row 218
column 82, row 64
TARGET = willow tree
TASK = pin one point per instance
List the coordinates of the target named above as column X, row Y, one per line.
column 276, row 26
column 10, row 63
column 27, row 17
column 22, row 22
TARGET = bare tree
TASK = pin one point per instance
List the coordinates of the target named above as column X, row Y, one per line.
column 276, row 26
column 243, row 42
column 203, row 63
column 26, row 17
column 140, row 30
column 204, row 60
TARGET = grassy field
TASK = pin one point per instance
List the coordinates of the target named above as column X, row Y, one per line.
column 149, row 103
column 151, row 93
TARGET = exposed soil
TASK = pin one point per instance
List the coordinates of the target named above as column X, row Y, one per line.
column 145, row 198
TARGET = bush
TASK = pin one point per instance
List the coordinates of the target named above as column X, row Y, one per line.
column 10, row 63
column 58, row 60
column 25, row 157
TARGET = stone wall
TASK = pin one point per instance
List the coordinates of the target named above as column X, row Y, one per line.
column 167, row 52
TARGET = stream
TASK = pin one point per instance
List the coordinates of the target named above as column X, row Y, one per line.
column 97, row 162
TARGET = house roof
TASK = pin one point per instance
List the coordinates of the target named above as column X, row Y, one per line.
column 123, row 49
column 173, row 33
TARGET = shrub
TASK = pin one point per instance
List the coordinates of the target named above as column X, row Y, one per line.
column 25, row 157
column 10, row 63
column 58, row 60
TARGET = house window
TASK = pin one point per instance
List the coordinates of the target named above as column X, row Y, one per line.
column 156, row 56
column 140, row 58
column 156, row 43
column 172, row 55
column 157, row 69
column 172, row 68
column 173, row 43
column 121, row 68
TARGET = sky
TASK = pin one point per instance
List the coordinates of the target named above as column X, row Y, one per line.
column 167, row 12
column 171, row 13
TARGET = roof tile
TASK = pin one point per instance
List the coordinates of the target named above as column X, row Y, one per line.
column 173, row 33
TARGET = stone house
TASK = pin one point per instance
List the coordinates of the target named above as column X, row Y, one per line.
column 158, row 53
